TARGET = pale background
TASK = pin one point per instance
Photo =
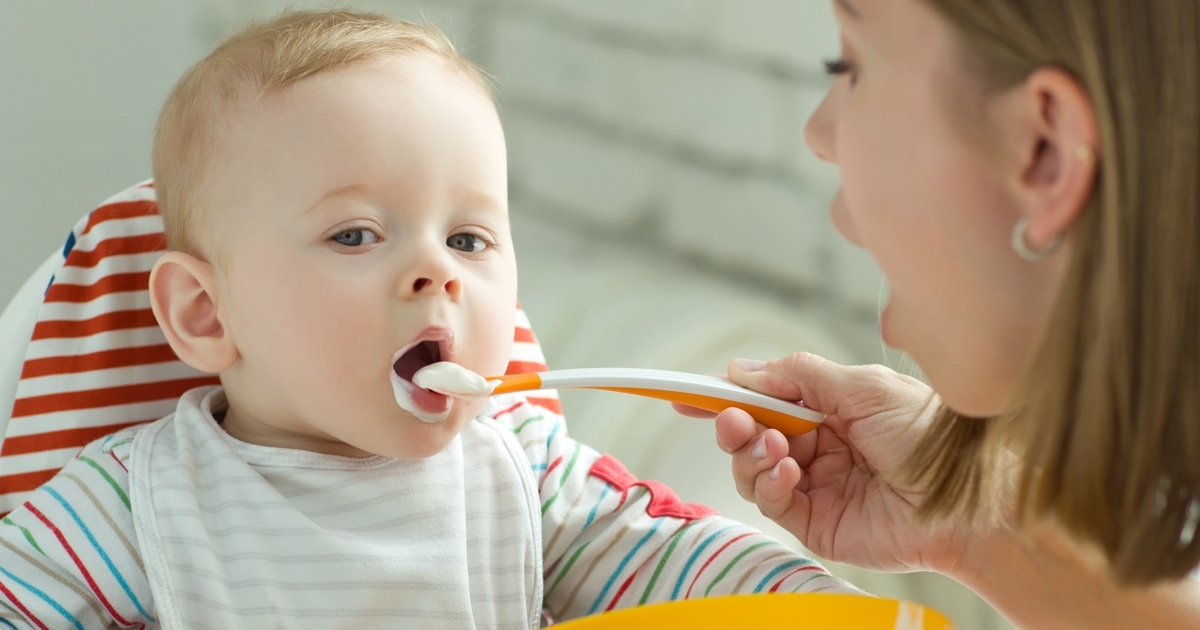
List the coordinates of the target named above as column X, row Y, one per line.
column 666, row 209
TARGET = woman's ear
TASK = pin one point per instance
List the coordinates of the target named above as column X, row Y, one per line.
column 184, row 297
column 1059, row 153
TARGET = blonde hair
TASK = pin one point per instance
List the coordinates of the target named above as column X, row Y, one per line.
column 1108, row 427
column 262, row 59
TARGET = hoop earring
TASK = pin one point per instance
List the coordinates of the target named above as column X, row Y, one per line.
column 1022, row 248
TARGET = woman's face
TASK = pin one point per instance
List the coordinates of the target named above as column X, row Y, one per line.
column 931, row 187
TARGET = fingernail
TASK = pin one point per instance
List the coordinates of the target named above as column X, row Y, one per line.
column 759, row 450
column 774, row 474
column 750, row 365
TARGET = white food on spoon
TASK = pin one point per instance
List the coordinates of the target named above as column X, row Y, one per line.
column 454, row 380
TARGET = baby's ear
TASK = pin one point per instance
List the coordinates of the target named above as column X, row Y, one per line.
column 183, row 294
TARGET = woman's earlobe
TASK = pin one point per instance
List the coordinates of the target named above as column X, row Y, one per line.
column 184, row 298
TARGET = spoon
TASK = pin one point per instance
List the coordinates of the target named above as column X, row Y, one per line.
column 710, row 393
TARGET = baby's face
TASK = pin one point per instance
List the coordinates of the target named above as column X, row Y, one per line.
column 365, row 214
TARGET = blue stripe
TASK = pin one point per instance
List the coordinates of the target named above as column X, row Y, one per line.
column 553, row 432
column 779, row 569
column 44, row 597
column 621, row 567
column 100, row 550
column 692, row 560
column 70, row 244
column 539, row 467
column 592, row 514
column 3, row 621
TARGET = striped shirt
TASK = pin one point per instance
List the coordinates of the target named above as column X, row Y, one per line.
column 176, row 524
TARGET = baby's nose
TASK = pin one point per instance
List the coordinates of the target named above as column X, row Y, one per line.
column 425, row 284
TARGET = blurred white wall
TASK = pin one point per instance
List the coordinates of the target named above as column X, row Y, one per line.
column 666, row 210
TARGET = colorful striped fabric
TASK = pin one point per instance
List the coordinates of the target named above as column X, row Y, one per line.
column 98, row 361
column 72, row 556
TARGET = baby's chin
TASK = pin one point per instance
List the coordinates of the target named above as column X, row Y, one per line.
column 421, row 439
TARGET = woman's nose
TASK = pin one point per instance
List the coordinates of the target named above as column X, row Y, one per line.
column 818, row 133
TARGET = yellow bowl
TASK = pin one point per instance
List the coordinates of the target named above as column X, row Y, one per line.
column 762, row 612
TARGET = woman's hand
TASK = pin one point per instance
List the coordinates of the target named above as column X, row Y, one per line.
column 841, row 489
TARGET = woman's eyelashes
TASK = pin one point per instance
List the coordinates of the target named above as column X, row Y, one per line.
column 840, row 66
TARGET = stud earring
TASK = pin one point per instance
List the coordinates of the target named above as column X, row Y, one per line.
column 1022, row 248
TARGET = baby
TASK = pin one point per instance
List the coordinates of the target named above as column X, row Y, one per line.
column 334, row 188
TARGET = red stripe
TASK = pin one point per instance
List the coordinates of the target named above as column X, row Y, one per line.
column 25, row 611
column 118, row 460
column 620, row 592
column 107, row 396
column 116, row 320
column 117, row 282
column 511, row 409
column 811, row 567
column 121, row 210
column 550, row 468
column 24, row 482
column 53, row 440
column 549, row 404
column 524, row 367
column 121, row 246
column 710, row 561
column 103, row 360
column 79, row 563
column 523, row 335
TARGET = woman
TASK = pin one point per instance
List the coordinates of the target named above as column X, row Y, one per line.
column 1027, row 175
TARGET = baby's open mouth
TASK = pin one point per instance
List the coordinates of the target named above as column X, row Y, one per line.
column 427, row 406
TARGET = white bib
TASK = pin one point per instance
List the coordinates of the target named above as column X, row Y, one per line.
column 236, row 535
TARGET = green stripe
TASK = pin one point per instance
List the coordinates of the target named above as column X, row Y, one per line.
column 662, row 563
column 730, row 565
column 527, row 421
column 563, row 573
column 819, row 575
column 562, row 480
column 121, row 443
column 28, row 535
column 112, row 482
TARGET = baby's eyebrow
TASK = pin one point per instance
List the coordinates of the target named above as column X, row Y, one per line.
column 483, row 201
column 336, row 192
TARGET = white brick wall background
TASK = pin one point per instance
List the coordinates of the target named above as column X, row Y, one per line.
column 659, row 139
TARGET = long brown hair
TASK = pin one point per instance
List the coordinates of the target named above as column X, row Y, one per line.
column 1108, row 423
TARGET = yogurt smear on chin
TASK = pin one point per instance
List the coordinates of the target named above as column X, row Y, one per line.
column 454, row 380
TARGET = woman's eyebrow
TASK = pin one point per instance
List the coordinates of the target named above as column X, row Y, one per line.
column 849, row 9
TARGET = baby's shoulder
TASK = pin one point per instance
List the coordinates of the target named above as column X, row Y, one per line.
column 114, row 447
column 525, row 419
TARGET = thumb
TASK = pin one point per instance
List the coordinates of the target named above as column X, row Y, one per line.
column 820, row 383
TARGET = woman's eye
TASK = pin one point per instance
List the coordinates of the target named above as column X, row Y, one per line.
column 356, row 237
column 839, row 66
column 465, row 242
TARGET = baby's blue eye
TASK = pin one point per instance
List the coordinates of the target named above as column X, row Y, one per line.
column 356, row 237
column 465, row 242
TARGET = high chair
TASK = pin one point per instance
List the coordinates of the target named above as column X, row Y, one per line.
column 82, row 356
